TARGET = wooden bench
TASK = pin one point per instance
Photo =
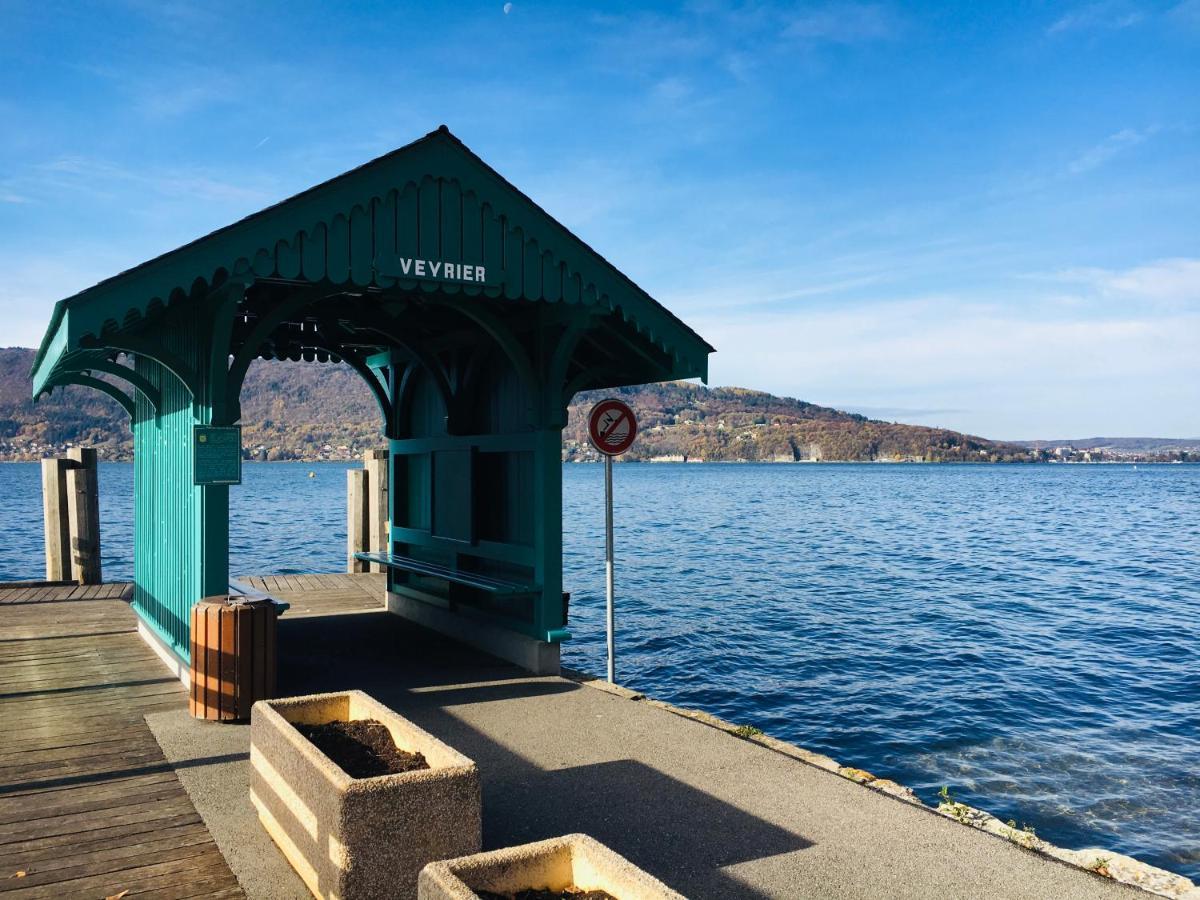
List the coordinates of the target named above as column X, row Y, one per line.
column 495, row 586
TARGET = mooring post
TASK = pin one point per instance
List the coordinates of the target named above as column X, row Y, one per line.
column 357, row 522
column 54, row 516
column 375, row 462
column 83, row 514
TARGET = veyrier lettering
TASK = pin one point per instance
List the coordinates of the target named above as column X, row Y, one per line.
column 431, row 268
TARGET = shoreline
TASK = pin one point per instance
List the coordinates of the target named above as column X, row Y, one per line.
column 1099, row 861
column 752, row 462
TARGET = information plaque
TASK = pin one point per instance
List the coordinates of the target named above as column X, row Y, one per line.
column 217, row 454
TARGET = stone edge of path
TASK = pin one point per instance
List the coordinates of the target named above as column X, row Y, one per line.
column 1104, row 863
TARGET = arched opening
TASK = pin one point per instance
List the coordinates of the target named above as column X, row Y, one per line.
column 471, row 316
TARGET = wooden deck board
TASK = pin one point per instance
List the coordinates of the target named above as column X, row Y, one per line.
column 89, row 806
column 323, row 594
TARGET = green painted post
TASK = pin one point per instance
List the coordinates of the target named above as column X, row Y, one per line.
column 548, row 532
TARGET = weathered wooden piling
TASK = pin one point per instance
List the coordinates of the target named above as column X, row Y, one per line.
column 71, row 517
column 375, row 462
column 357, row 523
column 54, row 516
column 83, row 514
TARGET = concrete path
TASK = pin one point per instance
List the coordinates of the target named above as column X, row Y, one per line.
column 710, row 814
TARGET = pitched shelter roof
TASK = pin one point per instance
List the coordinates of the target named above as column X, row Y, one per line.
column 432, row 200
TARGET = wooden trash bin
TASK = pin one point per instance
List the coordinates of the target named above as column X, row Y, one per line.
column 233, row 656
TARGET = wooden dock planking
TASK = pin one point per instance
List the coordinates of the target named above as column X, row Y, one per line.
column 89, row 806
column 323, row 594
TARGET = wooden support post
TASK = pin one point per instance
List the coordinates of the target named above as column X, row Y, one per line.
column 357, row 522
column 54, row 516
column 83, row 514
column 375, row 462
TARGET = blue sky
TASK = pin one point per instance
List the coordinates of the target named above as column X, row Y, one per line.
column 979, row 215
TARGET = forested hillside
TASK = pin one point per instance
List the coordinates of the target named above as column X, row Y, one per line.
column 310, row 411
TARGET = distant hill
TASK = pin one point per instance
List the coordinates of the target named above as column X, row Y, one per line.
column 1126, row 445
column 307, row 411
column 688, row 421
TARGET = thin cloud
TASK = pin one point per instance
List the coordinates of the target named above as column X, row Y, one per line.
column 1006, row 371
column 842, row 23
column 1173, row 280
column 1097, row 17
column 1111, row 146
column 101, row 177
column 1187, row 13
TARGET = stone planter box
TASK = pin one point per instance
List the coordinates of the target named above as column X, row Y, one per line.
column 358, row 837
column 575, row 860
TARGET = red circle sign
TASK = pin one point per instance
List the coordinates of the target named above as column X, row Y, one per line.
column 612, row 427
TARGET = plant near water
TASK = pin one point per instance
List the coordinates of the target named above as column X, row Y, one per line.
column 960, row 811
column 1100, row 866
column 1025, row 835
column 747, row 731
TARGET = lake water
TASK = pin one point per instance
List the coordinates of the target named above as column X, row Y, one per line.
column 1027, row 635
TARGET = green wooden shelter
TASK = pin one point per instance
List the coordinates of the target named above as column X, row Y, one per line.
column 473, row 317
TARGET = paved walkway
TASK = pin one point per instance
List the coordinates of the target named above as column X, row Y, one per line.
column 710, row 814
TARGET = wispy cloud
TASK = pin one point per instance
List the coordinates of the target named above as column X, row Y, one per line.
column 842, row 23
column 1096, row 156
column 1005, row 371
column 1106, row 16
column 1187, row 14
column 1175, row 281
column 104, row 178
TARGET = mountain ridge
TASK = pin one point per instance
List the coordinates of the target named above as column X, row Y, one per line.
column 322, row 411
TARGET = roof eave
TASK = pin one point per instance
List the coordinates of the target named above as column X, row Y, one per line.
column 51, row 350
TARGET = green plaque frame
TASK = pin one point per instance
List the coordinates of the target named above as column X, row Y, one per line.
column 217, row 454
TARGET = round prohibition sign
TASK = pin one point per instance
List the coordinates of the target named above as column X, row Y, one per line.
column 612, row 427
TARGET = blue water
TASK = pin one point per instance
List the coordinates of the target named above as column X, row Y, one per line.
column 1027, row 635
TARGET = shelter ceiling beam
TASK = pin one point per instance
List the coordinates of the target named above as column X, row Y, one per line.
column 139, row 347
column 583, row 380
column 428, row 360
column 262, row 330
column 501, row 334
column 564, row 350
column 358, row 363
column 663, row 366
column 222, row 409
column 139, row 383
column 97, row 384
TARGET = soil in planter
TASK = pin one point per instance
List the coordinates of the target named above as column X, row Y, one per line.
column 543, row 894
column 363, row 748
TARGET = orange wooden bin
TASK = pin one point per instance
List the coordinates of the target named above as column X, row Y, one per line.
column 233, row 656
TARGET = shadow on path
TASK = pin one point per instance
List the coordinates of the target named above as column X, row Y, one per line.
column 672, row 829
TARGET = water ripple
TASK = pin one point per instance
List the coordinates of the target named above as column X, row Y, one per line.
column 1029, row 636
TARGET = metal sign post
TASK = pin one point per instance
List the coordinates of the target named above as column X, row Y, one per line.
column 610, row 616
column 612, row 428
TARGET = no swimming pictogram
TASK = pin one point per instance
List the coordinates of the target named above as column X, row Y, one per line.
column 612, row 427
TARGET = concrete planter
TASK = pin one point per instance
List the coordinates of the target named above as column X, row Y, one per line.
column 358, row 837
column 575, row 860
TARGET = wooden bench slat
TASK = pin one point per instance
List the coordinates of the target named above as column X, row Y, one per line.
column 433, row 570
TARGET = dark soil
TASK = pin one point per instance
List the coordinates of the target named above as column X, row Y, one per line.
column 542, row 894
column 363, row 748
